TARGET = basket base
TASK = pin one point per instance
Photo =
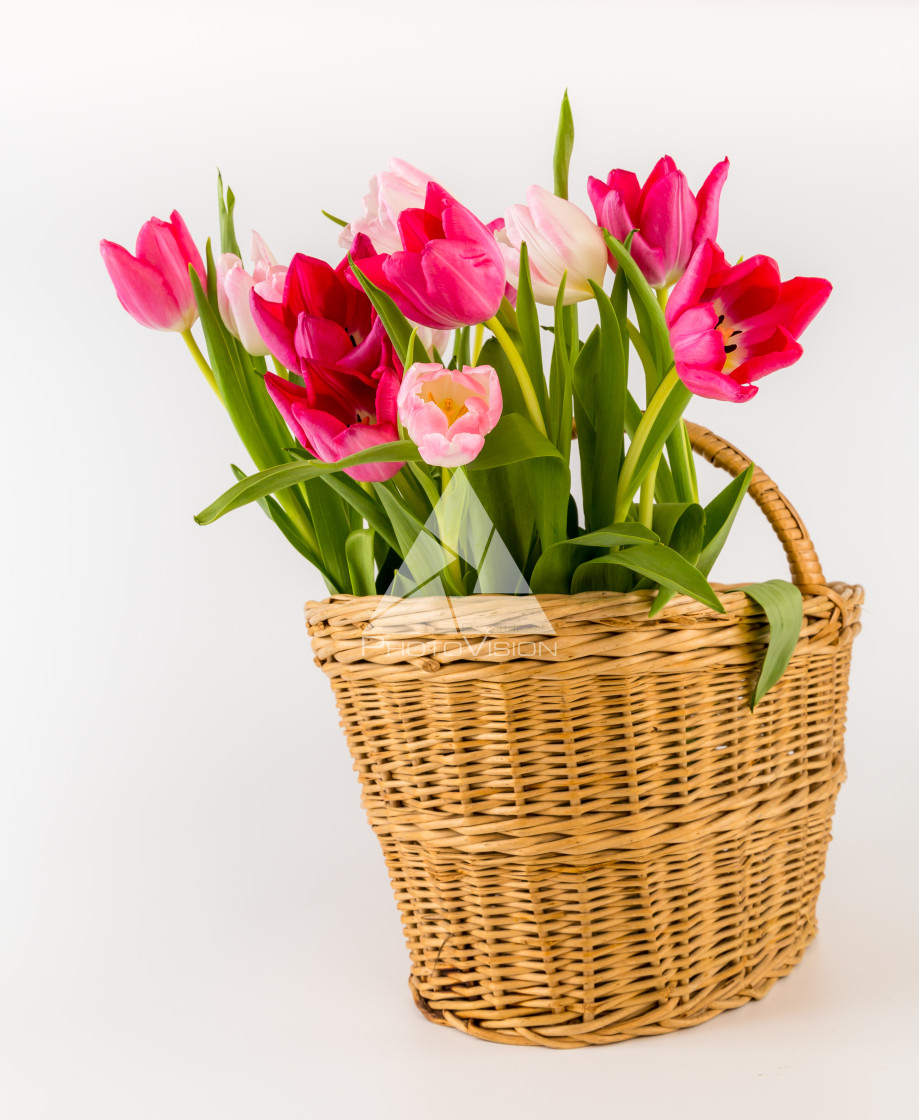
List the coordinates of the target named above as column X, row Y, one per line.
column 665, row 1018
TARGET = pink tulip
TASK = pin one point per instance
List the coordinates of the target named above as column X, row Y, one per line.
column 339, row 412
column 671, row 221
column 450, row 272
column 560, row 238
column 234, row 285
column 154, row 285
column 730, row 326
column 448, row 413
column 321, row 317
column 391, row 192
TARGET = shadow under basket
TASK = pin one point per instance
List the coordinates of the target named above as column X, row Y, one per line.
column 590, row 836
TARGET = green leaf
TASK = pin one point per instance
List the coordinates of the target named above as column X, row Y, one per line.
column 332, row 218
column 601, row 386
column 284, row 475
column 556, row 566
column 546, row 479
column 559, row 416
column 359, row 552
column 461, row 355
column 686, row 539
column 358, row 498
column 664, row 566
column 492, row 355
column 397, row 327
column 564, row 144
column 666, row 408
column 651, row 316
column 784, row 608
column 231, row 380
column 513, row 440
column 409, row 359
column 228, row 242
column 719, row 517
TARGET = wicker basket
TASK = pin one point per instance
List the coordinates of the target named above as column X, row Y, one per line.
column 604, row 842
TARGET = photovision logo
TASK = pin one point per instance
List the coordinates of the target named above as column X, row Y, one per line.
column 456, row 558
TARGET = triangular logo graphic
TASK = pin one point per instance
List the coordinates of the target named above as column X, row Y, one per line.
column 457, row 557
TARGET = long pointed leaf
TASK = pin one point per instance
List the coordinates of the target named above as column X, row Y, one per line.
column 280, row 477
column 554, row 569
column 664, row 566
column 564, row 145
column 784, row 608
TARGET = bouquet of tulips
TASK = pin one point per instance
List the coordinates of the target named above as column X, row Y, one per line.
column 368, row 392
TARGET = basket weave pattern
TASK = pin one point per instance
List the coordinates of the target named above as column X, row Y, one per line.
column 597, row 839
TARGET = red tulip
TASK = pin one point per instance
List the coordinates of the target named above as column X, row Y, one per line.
column 154, row 286
column 670, row 220
column 731, row 325
column 450, row 272
column 338, row 412
column 322, row 318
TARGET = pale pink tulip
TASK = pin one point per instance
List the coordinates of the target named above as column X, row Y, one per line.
column 391, row 192
column 560, row 238
column 234, row 285
column 448, row 413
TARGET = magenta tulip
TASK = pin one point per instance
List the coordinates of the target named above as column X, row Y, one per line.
column 234, row 284
column 323, row 318
column 450, row 272
column 154, row 285
column 671, row 222
column 561, row 241
column 732, row 325
column 338, row 412
column 448, row 413
column 391, row 192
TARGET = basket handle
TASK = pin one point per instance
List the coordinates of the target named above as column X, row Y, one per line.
column 780, row 513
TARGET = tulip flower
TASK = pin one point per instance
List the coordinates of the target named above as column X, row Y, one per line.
column 449, row 273
column 391, row 192
column 448, row 413
column 321, row 317
column 234, row 285
column 671, row 222
column 732, row 325
column 338, row 412
column 154, row 285
column 560, row 238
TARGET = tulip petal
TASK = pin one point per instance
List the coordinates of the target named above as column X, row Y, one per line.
column 799, row 300
column 417, row 228
column 715, row 386
column 689, row 288
column 778, row 352
column 321, row 340
column 313, row 287
column 695, row 339
column 187, row 247
column 287, row 397
column 707, row 201
column 273, row 324
column 157, row 247
column 141, row 290
column 667, row 221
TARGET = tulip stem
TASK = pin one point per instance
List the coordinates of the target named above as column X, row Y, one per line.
column 644, row 355
column 201, row 362
column 477, row 342
column 521, row 372
column 646, row 501
column 671, row 391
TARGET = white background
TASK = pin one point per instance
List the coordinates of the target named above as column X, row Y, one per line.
column 195, row 921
